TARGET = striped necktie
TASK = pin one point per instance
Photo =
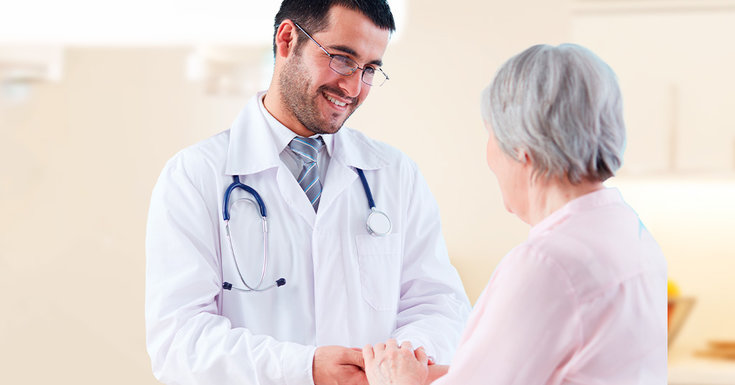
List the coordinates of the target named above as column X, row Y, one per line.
column 307, row 149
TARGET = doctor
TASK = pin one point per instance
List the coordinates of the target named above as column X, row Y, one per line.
column 233, row 298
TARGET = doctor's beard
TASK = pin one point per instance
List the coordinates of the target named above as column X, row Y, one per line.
column 294, row 85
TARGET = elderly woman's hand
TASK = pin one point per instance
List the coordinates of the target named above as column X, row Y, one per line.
column 390, row 364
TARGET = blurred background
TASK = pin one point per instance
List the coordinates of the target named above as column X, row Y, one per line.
column 95, row 96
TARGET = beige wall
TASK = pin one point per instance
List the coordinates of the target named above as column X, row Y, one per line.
column 79, row 159
column 82, row 157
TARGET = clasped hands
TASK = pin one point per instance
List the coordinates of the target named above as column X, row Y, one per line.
column 383, row 363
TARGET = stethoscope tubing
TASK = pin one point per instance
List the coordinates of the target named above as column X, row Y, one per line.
column 366, row 187
column 237, row 184
column 265, row 258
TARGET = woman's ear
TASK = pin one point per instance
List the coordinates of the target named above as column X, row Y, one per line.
column 523, row 157
column 285, row 40
column 526, row 165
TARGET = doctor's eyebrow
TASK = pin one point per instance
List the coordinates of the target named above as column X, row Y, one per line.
column 351, row 52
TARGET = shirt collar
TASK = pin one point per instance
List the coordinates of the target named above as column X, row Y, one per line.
column 602, row 197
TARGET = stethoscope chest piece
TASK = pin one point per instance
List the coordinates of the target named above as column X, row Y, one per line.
column 378, row 223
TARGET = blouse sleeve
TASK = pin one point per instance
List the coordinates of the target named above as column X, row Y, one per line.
column 525, row 327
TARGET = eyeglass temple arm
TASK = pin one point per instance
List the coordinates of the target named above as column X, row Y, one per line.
column 312, row 39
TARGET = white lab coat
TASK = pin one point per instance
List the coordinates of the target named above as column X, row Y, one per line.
column 344, row 286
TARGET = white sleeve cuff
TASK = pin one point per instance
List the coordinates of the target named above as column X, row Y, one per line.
column 297, row 365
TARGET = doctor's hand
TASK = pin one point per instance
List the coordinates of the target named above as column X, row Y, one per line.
column 390, row 364
column 338, row 365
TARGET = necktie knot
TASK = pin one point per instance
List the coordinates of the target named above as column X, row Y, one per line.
column 307, row 150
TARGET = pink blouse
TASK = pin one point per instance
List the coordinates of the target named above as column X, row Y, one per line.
column 582, row 301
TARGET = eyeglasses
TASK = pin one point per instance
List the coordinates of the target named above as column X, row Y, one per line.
column 372, row 76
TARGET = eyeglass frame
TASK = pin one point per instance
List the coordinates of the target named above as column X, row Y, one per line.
column 354, row 68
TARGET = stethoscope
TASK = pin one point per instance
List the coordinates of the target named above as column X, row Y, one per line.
column 378, row 224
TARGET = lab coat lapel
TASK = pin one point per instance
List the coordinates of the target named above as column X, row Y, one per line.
column 294, row 196
column 339, row 176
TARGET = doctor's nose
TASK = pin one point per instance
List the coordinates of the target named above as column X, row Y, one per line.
column 352, row 84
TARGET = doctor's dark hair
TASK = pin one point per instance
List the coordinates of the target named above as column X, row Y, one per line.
column 562, row 106
column 312, row 15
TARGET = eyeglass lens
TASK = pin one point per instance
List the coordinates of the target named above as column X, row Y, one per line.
column 346, row 66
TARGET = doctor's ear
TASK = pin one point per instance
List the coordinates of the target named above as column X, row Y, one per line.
column 286, row 38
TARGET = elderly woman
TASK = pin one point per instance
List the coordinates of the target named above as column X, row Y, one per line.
column 583, row 300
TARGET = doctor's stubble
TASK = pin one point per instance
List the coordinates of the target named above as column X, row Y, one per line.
column 294, row 82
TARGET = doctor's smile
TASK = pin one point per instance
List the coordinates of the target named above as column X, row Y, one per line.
column 336, row 101
column 338, row 106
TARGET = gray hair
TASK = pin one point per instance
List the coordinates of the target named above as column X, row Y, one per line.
column 562, row 106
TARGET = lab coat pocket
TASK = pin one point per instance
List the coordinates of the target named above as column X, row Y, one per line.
column 380, row 269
